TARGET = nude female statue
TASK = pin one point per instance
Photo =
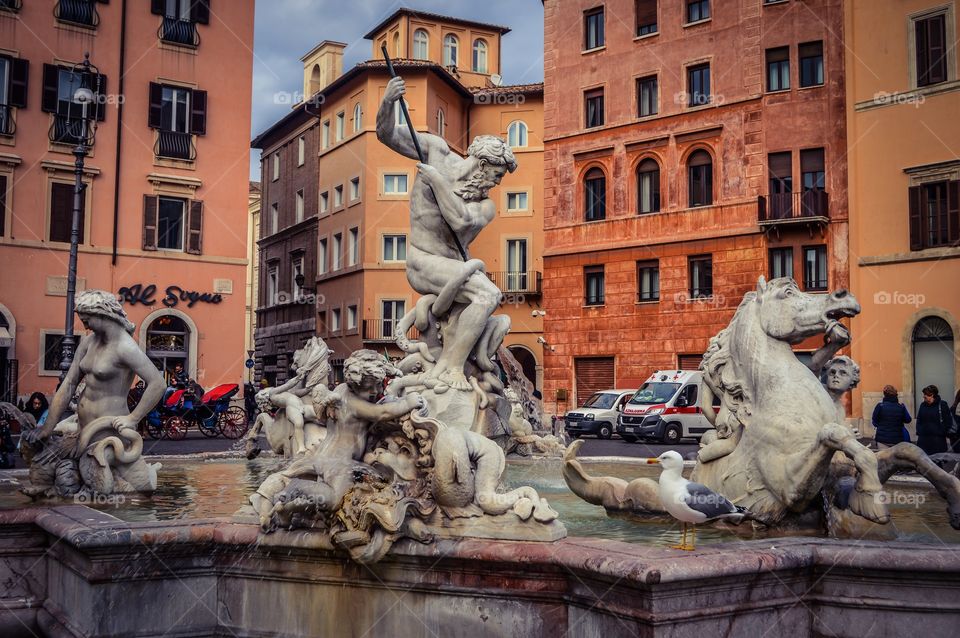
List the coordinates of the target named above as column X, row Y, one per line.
column 101, row 441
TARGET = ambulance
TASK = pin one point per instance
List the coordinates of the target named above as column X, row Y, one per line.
column 666, row 408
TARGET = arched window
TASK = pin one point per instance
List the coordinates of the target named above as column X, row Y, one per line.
column 934, row 357
column 479, row 56
column 595, row 195
column 441, row 123
column 168, row 343
column 450, row 46
column 357, row 118
column 700, row 179
column 421, row 45
column 315, row 79
column 648, row 186
column 517, row 134
column 396, row 44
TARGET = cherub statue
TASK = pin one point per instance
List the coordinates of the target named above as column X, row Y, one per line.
column 523, row 441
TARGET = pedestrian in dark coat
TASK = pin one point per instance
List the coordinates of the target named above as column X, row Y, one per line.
column 954, row 434
column 933, row 421
column 889, row 417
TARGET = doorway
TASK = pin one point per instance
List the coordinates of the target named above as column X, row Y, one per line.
column 168, row 343
column 933, row 358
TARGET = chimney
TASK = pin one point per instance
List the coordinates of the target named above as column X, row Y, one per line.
column 321, row 66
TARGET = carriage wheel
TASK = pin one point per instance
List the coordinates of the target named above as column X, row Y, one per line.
column 155, row 429
column 210, row 427
column 175, row 428
column 233, row 422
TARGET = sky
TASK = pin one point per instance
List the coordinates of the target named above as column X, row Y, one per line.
column 286, row 29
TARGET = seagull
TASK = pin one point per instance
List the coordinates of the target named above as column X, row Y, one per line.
column 691, row 502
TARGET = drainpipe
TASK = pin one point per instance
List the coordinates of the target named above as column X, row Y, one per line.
column 116, row 166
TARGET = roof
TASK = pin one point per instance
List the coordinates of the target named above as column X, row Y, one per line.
column 509, row 89
column 254, row 187
column 426, row 15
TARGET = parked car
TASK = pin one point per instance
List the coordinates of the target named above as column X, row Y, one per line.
column 598, row 414
column 666, row 408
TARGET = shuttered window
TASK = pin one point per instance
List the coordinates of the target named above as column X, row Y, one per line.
column 160, row 230
column 187, row 10
column 175, row 108
column 593, row 374
column 60, row 85
column 689, row 361
column 934, row 215
column 14, row 74
column 931, row 38
column 61, row 212
column 646, row 16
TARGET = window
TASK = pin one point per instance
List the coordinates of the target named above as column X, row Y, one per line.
column 276, row 166
column 180, row 18
column 394, row 247
column 341, row 123
column 593, row 28
column 301, row 150
column 811, row 64
column 322, row 257
column 815, row 268
column 274, row 218
column 395, row 184
column 934, row 215
column 398, row 113
column 812, row 169
column 516, row 265
column 441, row 123
column 931, row 42
column 324, row 202
column 421, row 48
column 450, row 46
column 779, row 167
column 648, row 186
column 351, row 317
column 13, row 90
column 337, row 251
column 697, row 10
column 593, row 100
column 701, row 276
column 516, row 202
column 698, row 85
column 595, row 195
column 325, row 135
column 479, row 56
column 273, row 281
column 61, row 212
column 593, row 285
column 353, row 245
column 170, row 216
column 517, row 134
column 335, row 320
column 396, row 45
column 648, row 280
column 299, row 206
column 178, row 113
column 357, row 118
column 646, row 16
column 60, row 86
column 338, row 196
column 296, row 269
column 700, row 179
column 781, row 263
column 647, row 97
column 354, row 189
column 391, row 312
column 778, row 69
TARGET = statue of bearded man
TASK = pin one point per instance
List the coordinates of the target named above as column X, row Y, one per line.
column 449, row 206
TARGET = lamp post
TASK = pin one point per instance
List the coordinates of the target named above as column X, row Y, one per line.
column 80, row 129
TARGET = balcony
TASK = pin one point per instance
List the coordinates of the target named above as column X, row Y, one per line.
column 81, row 12
column 786, row 208
column 180, row 32
column 65, row 130
column 384, row 332
column 529, row 283
column 13, row 6
column 7, row 125
column 173, row 145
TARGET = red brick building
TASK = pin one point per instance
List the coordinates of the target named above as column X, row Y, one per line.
column 690, row 147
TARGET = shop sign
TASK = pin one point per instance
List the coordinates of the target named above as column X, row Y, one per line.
column 173, row 295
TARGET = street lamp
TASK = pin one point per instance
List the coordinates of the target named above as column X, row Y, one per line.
column 78, row 126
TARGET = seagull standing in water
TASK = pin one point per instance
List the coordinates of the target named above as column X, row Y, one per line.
column 691, row 502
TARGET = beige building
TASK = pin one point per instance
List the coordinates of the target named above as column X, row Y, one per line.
column 253, row 269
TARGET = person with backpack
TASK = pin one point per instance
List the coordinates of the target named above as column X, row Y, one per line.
column 934, row 421
column 890, row 418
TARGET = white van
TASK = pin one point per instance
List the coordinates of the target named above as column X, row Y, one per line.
column 666, row 407
column 598, row 414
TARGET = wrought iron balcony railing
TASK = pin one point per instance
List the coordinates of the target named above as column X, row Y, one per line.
column 83, row 12
column 10, row 5
column 71, row 131
column 384, row 331
column 807, row 205
column 524, row 282
column 7, row 126
column 182, row 32
column 175, row 146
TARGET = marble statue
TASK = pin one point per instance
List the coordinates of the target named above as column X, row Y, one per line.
column 97, row 449
column 779, row 448
column 408, row 451
column 523, row 440
column 287, row 417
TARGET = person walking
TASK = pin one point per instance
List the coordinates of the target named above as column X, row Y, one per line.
column 954, row 433
column 933, row 421
column 889, row 418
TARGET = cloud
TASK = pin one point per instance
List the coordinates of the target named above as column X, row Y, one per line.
column 286, row 29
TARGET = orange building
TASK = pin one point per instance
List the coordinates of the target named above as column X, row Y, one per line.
column 903, row 114
column 165, row 204
column 359, row 204
column 691, row 146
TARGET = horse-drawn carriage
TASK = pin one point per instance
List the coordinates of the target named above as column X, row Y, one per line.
column 210, row 412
